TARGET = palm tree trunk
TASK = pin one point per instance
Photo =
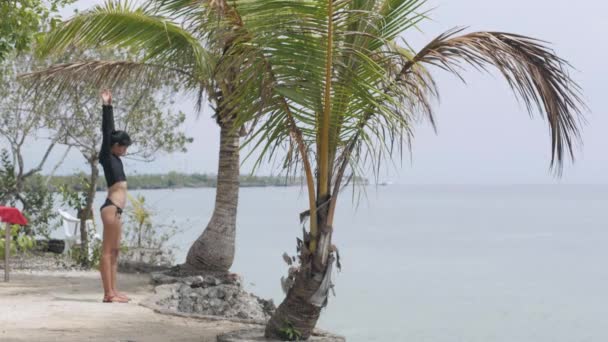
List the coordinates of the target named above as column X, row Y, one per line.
column 296, row 313
column 214, row 249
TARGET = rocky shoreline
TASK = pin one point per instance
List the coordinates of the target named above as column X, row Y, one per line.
column 216, row 296
column 180, row 292
column 207, row 294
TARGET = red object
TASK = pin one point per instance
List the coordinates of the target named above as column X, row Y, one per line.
column 12, row 215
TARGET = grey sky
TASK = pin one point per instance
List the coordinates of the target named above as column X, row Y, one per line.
column 484, row 135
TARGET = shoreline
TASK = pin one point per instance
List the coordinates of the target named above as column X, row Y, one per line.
column 65, row 305
column 48, row 299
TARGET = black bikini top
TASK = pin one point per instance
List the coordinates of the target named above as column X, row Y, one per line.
column 112, row 165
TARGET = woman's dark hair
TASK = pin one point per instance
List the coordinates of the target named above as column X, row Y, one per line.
column 121, row 138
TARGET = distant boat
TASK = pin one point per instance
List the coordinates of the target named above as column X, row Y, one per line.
column 385, row 183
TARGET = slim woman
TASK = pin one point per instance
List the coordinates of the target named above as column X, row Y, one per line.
column 114, row 145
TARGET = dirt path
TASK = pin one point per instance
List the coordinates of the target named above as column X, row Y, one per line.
column 66, row 306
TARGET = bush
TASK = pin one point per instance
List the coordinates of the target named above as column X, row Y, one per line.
column 20, row 242
column 34, row 196
column 140, row 231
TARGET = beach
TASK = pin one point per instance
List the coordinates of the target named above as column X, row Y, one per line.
column 66, row 306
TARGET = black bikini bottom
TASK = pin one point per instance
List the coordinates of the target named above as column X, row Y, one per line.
column 109, row 202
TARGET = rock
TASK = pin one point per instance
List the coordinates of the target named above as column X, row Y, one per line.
column 201, row 291
column 212, row 292
column 211, row 281
column 161, row 278
column 257, row 334
column 185, row 290
column 209, row 294
column 165, row 290
column 268, row 306
column 215, row 302
column 198, row 281
column 186, row 305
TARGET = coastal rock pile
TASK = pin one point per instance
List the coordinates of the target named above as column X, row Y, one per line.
column 257, row 334
column 144, row 260
column 209, row 295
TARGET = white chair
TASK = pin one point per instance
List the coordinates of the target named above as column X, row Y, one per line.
column 71, row 229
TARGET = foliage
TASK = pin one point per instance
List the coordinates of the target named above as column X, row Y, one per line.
column 7, row 177
column 140, row 230
column 290, row 332
column 72, row 197
column 23, row 115
column 142, row 108
column 174, row 180
column 34, row 197
column 21, row 242
column 165, row 50
column 330, row 83
column 39, row 206
column 140, row 215
column 339, row 92
column 23, row 119
column 94, row 255
column 23, row 19
column 77, row 199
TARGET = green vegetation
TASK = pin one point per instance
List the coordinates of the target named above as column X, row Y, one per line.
column 142, row 232
column 22, row 242
column 30, row 193
column 79, row 200
column 22, row 20
column 174, row 180
column 335, row 83
column 290, row 332
column 330, row 89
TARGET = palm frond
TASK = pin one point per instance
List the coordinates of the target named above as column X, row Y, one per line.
column 117, row 24
column 535, row 73
column 56, row 79
column 327, row 79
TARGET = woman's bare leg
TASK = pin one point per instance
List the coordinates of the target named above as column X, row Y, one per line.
column 115, row 253
column 111, row 229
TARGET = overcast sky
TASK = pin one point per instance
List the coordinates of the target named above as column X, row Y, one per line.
column 484, row 135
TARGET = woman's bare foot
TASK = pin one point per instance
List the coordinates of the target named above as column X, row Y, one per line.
column 113, row 298
column 121, row 295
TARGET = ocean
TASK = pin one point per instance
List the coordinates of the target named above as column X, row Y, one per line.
column 431, row 263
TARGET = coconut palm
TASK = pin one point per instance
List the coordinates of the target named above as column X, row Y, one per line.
column 329, row 81
column 178, row 39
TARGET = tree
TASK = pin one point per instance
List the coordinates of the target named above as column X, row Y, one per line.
column 328, row 81
column 23, row 119
column 141, row 109
column 167, row 48
column 22, row 20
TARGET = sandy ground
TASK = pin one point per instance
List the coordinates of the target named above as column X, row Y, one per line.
column 66, row 306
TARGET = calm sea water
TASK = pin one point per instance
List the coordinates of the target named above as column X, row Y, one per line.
column 433, row 263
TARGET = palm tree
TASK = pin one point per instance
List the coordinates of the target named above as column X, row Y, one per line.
column 188, row 52
column 328, row 81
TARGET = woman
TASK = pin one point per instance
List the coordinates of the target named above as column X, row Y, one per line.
column 114, row 145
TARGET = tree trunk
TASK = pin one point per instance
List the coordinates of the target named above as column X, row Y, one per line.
column 214, row 249
column 87, row 212
column 140, row 230
column 296, row 315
